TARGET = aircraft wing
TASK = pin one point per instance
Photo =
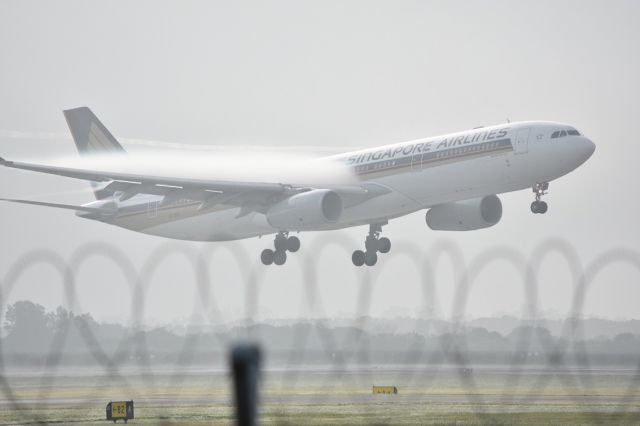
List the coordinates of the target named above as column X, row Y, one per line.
column 251, row 196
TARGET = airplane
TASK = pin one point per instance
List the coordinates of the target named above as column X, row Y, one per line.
column 455, row 177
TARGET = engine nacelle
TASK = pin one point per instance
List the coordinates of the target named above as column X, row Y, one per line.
column 467, row 215
column 306, row 210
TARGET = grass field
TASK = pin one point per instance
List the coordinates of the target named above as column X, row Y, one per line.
column 489, row 395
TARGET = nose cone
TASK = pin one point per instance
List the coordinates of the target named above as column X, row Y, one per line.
column 567, row 154
column 586, row 148
column 578, row 149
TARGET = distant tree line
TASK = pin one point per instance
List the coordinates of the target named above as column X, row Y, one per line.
column 31, row 335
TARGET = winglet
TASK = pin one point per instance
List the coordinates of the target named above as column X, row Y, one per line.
column 6, row 163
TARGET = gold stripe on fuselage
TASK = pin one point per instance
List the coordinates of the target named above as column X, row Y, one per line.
column 422, row 161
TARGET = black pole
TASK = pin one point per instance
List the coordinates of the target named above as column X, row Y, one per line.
column 245, row 360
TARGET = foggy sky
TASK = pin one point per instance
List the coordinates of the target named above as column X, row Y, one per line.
column 314, row 76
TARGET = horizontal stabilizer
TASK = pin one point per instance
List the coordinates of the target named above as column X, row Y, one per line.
column 59, row 206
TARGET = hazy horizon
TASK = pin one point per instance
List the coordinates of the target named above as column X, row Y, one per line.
column 316, row 78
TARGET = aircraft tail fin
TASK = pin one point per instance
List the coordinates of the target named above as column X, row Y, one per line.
column 91, row 138
column 89, row 134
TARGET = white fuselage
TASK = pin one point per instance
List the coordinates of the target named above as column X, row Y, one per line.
column 418, row 175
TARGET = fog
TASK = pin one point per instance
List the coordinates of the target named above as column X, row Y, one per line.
column 295, row 79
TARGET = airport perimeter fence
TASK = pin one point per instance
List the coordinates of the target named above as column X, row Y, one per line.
column 452, row 352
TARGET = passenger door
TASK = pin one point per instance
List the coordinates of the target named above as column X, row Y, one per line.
column 522, row 141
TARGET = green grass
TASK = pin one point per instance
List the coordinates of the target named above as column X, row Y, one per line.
column 325, row 398
column 344, row 415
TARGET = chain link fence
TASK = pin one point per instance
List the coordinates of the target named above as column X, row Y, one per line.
column 349, row 352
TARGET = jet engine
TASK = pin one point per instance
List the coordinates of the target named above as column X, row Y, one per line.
column 306, row 210
column 467, row 215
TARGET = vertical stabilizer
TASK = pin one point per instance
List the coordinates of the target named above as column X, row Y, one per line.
column 91, row 138
column 89, row 134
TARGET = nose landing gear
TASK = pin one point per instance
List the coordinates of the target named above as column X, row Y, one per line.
column 538, row 206
column 373, row 245
column 282, row 244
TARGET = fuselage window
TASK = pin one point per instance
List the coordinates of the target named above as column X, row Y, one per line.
column 555, row 134
column 563, row 134
column 573, row 132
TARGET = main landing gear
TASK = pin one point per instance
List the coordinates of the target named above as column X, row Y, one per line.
column 373, row 245
column 282, row 244
column 538, row 206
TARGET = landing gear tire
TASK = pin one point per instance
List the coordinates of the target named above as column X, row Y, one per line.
column 539, row 207
column 370, row 258
column 358, row 258
column 373, row 244
column 280, row 257
column 384, row 245
column 543, row 207
column 293, row 244
column 267, row 256
column 281, row 244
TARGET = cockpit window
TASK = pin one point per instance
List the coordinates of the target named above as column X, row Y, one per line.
column 563, row 133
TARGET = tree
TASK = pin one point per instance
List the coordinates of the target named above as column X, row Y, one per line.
column 27, row 327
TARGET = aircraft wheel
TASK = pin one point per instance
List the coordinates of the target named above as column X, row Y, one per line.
column 384, row 245
column 293, row 244
column 358, row 258
column 370, row 258
column 535, row 207
column 371, row 244
column 267, row 256
column 280, row 257
column 280, row 243
column 543, row 207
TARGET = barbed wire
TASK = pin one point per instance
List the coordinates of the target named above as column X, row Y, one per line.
column 338, row 354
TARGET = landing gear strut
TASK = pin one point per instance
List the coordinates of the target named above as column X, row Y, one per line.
column 538, row 206
column 373, row 245
column 282, row 244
